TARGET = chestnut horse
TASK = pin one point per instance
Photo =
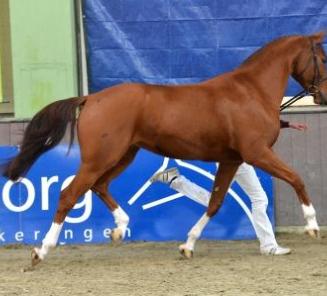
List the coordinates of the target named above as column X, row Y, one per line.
column 228, row 119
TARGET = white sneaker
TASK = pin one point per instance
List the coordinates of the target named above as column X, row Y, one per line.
column 166, row 176
column 276, row 251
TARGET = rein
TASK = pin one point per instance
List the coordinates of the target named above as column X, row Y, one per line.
column 313, row 88
column 295, row 98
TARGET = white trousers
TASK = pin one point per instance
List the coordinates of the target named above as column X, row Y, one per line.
column 248, row 180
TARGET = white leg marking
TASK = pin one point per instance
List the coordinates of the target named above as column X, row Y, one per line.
column 50, row 240
column 196, row 231
column 121, row 219
column 310, row 216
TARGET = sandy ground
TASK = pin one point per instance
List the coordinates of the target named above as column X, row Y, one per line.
column 218, row 268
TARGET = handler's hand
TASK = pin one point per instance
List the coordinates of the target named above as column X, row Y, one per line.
column 298, row 126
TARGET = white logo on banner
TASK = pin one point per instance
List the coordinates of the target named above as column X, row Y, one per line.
column 46, row 183
column 172, row 197
column 27, row 200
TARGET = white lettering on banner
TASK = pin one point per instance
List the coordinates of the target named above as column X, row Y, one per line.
column 68, row 234
column 45, row 187
column 29, row 200
column 46, row 183
column 19, row 236
column 107, row 232
column 86, row 203
column 2, row 237
column 88, row 234
column 36, row 234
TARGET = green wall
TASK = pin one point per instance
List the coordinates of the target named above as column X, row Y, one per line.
column 1, row 96
column 43, row 53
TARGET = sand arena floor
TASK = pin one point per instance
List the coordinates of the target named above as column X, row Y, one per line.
column 218, row 268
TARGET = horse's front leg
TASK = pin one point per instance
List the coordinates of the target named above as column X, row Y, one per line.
column 222, row 182
column 270, row 162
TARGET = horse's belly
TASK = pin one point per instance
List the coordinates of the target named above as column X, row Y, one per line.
column 183, row 149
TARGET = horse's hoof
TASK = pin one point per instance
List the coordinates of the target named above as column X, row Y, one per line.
column 186, row 253
column 35, row 258
column 314, row 233
column 116, row 235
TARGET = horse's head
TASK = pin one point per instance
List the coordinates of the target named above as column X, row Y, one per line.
column 310, row 70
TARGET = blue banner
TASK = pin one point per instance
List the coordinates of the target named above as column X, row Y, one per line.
column 174, row 41
column 157, row 213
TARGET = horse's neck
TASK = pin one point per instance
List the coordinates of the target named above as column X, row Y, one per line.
column 271, row 74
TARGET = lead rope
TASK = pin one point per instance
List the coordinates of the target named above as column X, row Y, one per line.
column 292, row 100
column 312, row 90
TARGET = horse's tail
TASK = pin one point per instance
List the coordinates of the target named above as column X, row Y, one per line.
column 45, row 130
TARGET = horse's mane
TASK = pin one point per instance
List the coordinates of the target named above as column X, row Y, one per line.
column 263, row 50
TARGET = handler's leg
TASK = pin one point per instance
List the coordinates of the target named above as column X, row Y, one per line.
column 178, row 182
column 248, row 180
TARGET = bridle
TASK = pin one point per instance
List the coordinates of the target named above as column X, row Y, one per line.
column 314, row 87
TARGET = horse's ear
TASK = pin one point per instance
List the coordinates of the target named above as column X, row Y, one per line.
column 318, row 37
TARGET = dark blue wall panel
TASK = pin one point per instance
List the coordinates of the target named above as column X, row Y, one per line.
column 174, row 41
column 27, row 209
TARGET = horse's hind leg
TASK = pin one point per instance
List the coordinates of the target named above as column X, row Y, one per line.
column 101, row 189
column 83, row 181
column 120, row 216
column 222, row 182
column 270, row 162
